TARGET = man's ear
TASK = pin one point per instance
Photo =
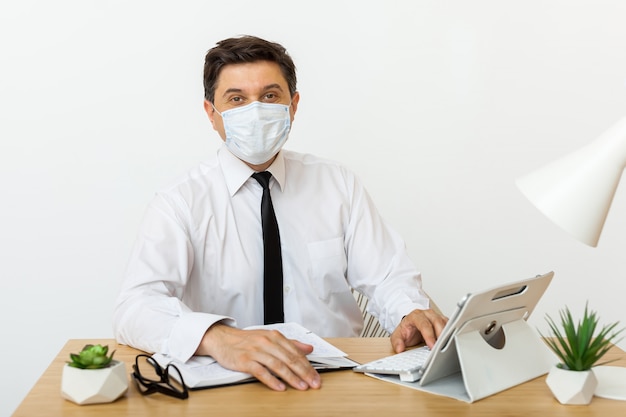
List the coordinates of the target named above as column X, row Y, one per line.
column 295, row 99
column 210, row 111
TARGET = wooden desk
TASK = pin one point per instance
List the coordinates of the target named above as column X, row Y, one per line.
column 343, row 393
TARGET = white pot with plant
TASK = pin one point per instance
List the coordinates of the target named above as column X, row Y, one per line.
column 92, row 377
column 579, row 346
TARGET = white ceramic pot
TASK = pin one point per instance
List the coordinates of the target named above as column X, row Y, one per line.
column 93, row 386
column 572, row 387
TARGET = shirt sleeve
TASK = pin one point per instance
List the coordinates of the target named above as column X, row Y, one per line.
column 149, row 314
column 378, row 263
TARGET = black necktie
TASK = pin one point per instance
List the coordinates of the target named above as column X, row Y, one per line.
column 272, row 259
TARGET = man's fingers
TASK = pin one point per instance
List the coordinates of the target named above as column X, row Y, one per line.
column 304, row 348
column 430, row 326
column 274, row 373
column 292, row 371
column 416, row 327
column 439, row 322
column 267, row 355
column 292, row 364
column 261, row 373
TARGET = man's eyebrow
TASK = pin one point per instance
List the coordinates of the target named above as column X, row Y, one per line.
column 232, row 90
column 269, row 87
column 239, row 90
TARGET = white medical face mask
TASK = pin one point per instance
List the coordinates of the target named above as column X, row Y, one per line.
column 257, row 131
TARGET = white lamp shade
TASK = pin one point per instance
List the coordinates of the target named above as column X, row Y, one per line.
column 576, row 191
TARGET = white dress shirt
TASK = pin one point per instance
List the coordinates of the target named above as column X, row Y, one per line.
column 198, row 258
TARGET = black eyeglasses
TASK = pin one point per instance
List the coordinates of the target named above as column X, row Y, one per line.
column 150, row 377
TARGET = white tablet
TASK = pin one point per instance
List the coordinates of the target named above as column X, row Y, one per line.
column 486, row 311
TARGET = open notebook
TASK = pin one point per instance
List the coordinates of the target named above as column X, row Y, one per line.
column 204, row 372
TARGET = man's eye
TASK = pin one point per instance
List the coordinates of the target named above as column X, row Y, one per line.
column 237, row 101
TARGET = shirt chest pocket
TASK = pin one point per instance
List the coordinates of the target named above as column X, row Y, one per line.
column 328, row 266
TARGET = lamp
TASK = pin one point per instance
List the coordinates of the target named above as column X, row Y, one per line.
column 576, row 191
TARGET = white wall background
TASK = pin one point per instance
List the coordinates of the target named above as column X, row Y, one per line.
column 438, row 106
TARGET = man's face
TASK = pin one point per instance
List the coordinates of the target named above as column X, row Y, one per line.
column 242, row 84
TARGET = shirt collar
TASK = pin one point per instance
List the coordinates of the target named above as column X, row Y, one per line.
column 236, row 172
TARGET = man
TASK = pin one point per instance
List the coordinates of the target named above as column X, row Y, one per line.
column 195, row 277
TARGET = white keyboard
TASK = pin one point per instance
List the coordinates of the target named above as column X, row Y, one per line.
column 407, row 365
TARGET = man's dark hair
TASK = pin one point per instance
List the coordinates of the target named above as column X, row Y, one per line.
column 245, row 49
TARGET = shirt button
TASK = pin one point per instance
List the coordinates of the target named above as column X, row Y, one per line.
column 287, row 288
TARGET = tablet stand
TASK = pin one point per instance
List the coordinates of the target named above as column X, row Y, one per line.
column 487, row 370
column 487, row 345
column 487, row 355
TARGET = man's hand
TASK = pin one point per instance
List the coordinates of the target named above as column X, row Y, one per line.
column 265, row 354
column 417, row 327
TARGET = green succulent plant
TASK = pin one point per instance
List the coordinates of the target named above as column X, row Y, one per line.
column 580, row 345
column 91, row 357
